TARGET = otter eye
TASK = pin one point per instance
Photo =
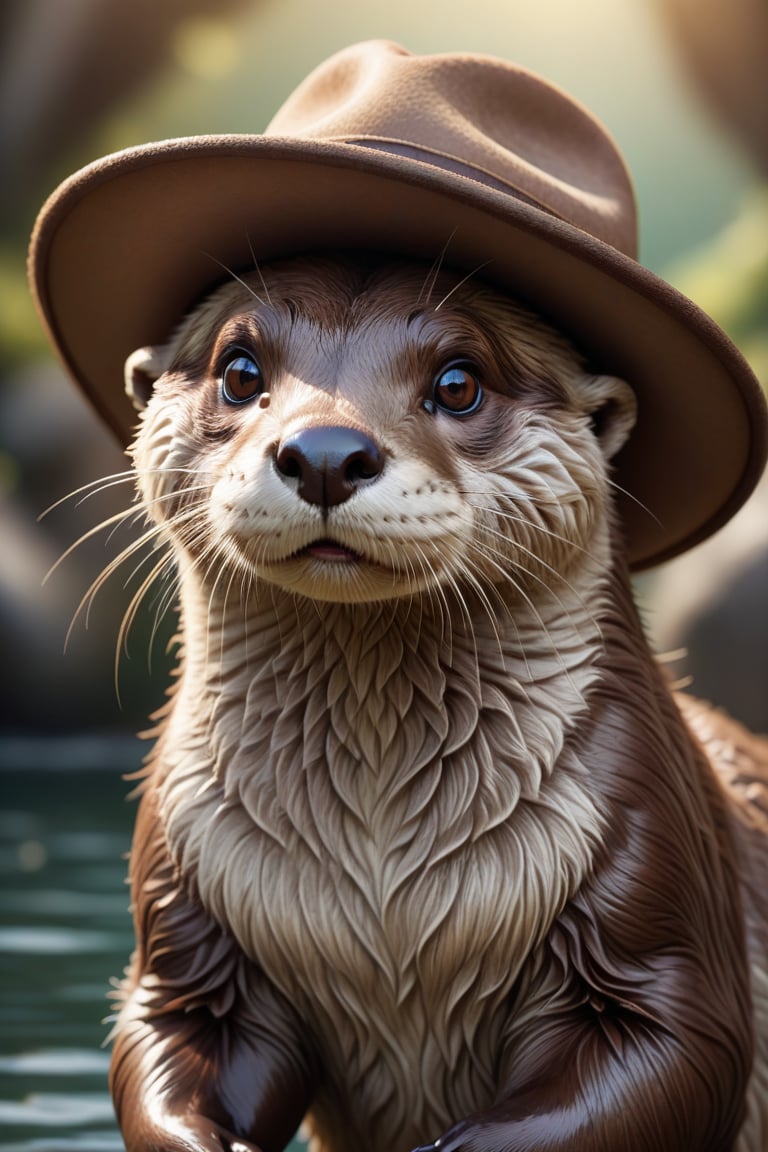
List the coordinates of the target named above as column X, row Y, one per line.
column 457, row 391
column 241, row 377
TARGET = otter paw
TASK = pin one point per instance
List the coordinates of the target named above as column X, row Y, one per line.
column 187, row 1134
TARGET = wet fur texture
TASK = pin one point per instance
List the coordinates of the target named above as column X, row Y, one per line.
column 426, row 848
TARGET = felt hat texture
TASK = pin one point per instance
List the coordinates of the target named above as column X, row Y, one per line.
column 382, row 150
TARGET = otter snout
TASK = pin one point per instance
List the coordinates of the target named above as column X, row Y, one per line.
column 330, row 463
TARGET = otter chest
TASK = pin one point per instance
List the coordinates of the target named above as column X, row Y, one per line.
column 398, row 942
column 370, row 850
column 400, row 969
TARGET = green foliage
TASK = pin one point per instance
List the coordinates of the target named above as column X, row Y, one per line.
column 20, row 333
column 728, row 278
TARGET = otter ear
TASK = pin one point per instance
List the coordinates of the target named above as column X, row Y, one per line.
column 142, row 368
column 612, row 408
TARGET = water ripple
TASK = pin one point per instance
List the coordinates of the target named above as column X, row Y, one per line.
column 56, row 1062
column 53, row 1108
column 52, row 941
column 84, row 1142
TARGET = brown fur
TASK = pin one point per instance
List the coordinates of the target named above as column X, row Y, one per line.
column 426, row 848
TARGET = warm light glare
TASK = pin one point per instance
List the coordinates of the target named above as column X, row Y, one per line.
column 206, row 48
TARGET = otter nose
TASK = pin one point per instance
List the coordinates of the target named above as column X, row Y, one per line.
column 330, row 463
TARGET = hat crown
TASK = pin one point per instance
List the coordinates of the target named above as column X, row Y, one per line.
column 476, row 116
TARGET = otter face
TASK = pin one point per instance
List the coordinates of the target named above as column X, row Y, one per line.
column 355, row 433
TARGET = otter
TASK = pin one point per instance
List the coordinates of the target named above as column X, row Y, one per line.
column 428, row 853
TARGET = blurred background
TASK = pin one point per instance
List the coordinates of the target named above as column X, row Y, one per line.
column 682, row 85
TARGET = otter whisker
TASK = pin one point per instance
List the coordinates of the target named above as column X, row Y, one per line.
column 461, row 282
column 494, row 558
column 522, row 649
column 537, row 560
column 163, row 564
column 103, row 483
column 233, row 569
column 479, row 590
column 223, row 559
column 252, row 592
column 526, row 522
column 112, row 568
column 643, row 507
column 554, row 648
column 417, row 571
column 462, row 581
column 396, row 559
column 116, row 519
column 507, row 556
column 130, row 614
column 134, row 513
column 96, row 585
column 438, row 597
column 431, row 277
column 164, row 603
column 166, row 561
column 234, row 275
column 93, row 487
column 257, row 266
column 141, row 511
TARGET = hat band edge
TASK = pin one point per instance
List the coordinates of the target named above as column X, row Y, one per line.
column 452, row 164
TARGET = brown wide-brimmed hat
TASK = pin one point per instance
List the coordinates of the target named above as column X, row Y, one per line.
column 382, row 150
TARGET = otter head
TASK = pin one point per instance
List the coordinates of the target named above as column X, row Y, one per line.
column 358, row 432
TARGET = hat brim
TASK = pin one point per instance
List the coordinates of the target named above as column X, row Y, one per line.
column 126, row 246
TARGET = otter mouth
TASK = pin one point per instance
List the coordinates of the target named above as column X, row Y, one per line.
column 329, row 551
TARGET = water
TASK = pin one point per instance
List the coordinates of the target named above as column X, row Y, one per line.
column 65, row 933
